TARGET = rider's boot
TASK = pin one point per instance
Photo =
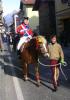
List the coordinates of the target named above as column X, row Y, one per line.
column 18, row 54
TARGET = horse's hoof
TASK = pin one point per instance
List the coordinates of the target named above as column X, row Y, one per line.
column 38, row 83
column 26, row 78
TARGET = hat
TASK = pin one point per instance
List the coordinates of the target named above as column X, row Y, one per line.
column 22, row 20
column 26, row 18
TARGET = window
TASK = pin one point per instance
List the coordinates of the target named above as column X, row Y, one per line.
column 68, row 2
column 64, row 1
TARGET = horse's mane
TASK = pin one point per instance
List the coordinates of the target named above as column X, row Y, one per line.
column 32, row 43
column 41, row 39
column 38, row 38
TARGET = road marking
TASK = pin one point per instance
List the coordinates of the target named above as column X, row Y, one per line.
column 18, row 89
column 17, row 85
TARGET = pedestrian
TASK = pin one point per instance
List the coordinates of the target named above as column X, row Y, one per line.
column 55, row 54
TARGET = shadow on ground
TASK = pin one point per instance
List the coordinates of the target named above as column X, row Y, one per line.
column 16, row 67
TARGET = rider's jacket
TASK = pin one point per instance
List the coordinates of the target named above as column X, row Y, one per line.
column 24, row 30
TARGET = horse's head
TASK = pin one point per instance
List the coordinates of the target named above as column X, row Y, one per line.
column 41, row 45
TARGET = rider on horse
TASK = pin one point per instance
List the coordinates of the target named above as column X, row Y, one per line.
column 25, row 32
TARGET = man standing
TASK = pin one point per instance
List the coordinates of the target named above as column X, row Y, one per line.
column 25, row 32
column 55, row 53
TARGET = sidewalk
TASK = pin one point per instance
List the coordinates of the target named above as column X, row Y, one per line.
column 67, row 55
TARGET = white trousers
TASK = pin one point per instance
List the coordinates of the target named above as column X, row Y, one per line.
column 23, row 40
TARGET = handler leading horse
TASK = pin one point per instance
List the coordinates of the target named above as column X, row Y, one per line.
column 30, row 52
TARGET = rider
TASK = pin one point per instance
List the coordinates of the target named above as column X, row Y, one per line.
column 55, row 53
column 25, row 32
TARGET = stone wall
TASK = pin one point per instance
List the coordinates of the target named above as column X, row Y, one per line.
column 47, row 20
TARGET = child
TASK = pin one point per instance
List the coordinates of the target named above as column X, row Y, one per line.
column 55, row 53
column 25, row 32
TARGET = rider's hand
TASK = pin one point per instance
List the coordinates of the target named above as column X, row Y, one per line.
column 28, row 39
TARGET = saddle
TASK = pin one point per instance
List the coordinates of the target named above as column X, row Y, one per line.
column 22, row 47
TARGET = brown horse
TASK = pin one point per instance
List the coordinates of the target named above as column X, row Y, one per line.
column 30, row 52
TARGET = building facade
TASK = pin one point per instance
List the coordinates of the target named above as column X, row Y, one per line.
column 62, row 14
column 63, row 19
column 47, row 18
column 27, row 9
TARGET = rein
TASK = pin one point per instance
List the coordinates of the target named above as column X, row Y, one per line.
column 65, row 64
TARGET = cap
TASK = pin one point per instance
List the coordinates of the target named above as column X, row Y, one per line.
column 22, row 20
column 26, row 18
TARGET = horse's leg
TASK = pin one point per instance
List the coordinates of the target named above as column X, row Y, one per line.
column 37, row 75
column 25, row 71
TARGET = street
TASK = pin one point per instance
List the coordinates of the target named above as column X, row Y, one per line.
column 20, row 20
column 13, row 87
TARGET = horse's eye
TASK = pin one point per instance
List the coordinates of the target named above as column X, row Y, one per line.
column 40, row 42
column 40, row 45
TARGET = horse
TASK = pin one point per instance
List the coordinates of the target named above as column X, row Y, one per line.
column 30, row 52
